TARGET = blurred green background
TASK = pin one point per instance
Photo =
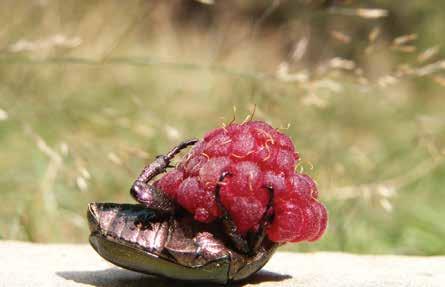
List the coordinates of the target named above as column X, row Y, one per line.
column 90, row 91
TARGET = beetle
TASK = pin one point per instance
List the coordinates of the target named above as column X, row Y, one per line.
column 158, row 237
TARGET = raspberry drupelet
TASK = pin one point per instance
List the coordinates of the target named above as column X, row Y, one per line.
column 258, row 159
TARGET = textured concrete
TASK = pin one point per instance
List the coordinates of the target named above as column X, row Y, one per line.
column 24, row 264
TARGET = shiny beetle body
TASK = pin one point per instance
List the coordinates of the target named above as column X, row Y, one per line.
column 158, row 237
column 139, row 239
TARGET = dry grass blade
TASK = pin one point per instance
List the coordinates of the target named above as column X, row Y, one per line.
column 431, row 68
column 300, row 49
column 404, row 39
column 368, row 13
column 405, row 48
column 47, row 184
column 374, row 34
column 207, row 2
column 341, row 37
column 372, row 13
column 340, row 63
column 56, row 41
column 389, row 188
column 428, row 54
column 439, row 80
column 284, row 75
column 3, row 115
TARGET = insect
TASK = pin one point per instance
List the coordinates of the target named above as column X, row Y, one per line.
column 158, row 237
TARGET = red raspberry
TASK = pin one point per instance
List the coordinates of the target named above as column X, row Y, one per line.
column 257, row 157
column 170, row 182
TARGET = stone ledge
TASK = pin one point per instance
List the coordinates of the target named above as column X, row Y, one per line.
column 26, row 264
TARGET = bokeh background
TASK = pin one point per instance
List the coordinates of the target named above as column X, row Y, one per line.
column 90, row 91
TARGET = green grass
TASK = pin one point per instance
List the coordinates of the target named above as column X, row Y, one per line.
column 74, row 118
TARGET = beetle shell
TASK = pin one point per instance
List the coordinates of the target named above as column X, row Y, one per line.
column 141, row 239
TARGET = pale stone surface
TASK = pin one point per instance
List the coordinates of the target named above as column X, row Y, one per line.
column 25, row 264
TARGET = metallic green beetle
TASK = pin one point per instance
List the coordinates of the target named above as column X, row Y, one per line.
column 160, row 238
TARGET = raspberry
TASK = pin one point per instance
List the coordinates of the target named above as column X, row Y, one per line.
column 170, row 182
column 256, row 157
column 191, row 196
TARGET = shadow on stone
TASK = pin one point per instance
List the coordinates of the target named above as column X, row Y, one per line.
column 263, row 276
column 114, row 277
column 120, row 277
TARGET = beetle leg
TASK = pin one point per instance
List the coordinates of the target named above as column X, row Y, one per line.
column 162, row 162
column 229, row 226
column 146, row 193
column 208, row 248
column 265, row 220
column 152, row 197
